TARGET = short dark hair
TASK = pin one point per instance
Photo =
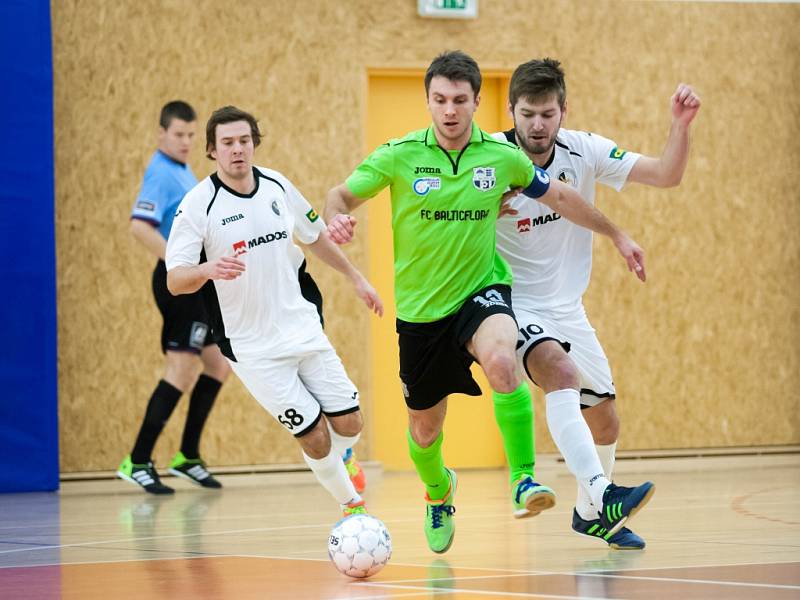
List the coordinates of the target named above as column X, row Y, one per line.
column 537, row 80
column 455, row 66
column 229, row 114
column 177, row 109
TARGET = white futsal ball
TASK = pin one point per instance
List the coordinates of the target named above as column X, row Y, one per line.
column 359, row 545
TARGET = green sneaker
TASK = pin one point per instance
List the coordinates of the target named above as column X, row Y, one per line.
column 145, row 476
column 354, row 508
column 193, row 469
column 439, row 525
column 531, row 498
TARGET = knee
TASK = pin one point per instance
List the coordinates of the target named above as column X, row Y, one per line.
column 316, row 443
column 555, row 372
column 348, row 425
column 424, row 434
column 605, row 430
column 218, row 368
column 181, row 374
column 500, row 367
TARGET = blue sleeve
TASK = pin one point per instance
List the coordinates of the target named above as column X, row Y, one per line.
column 152, row 199
column 539, row 184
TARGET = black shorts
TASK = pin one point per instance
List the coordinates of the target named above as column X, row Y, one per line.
column 434, row 361
column 185, row 327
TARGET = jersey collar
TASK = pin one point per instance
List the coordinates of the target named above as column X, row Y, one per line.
column 476, row 137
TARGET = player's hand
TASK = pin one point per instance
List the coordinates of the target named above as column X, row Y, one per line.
column 633, row 255
column 685, row 103
column 226, row 267
column 505, row 202
column 369, row 296
column 341, row 228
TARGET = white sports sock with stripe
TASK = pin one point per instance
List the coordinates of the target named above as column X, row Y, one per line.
column 574, row 440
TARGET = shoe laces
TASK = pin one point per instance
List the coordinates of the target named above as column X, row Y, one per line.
column 522, row 487
column 436, row 513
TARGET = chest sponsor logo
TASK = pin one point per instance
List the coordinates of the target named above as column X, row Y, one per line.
column 239, row 248
column 275, row 208
column 617, row 153
column 232, row 218
column 525, row 225
column 312, row 215
column 145, row 205
column 483, row 178
column 243, row 246
column 427, row 170
column 423, row 185
column 567, row 175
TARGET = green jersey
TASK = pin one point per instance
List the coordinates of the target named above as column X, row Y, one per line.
column 444, row 212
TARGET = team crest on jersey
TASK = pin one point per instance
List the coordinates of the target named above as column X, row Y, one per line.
column 524, row 225
column 239, row 248
column 483, row 178
column 312, row 215
column 617, row 153
column 568, row 176
column 275, row 208
column 423, row 185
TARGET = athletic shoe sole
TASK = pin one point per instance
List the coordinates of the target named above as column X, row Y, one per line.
column 645, row 499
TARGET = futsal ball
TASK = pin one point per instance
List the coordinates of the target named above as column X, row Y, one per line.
column 359, row 545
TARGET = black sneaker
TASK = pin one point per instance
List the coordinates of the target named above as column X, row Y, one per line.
column 144, row 476
column 621, row 503
column 193, row 469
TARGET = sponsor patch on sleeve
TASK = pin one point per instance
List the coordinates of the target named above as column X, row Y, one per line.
column 312, row 215
column 617, row 153
column 145, row 205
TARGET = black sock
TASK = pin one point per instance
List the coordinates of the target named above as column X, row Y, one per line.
column 203, row 395
column 159, row 409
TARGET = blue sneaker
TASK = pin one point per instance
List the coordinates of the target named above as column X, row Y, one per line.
column 530, row 498
column 624, row 539
column 621, row 503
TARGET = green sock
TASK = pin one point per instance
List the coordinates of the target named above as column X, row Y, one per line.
column 514, row 415
column 430, row 466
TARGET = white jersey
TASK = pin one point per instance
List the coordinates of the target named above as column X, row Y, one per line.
column 262, row 312
column 551, row 257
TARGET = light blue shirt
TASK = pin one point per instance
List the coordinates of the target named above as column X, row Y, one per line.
column 166, row 181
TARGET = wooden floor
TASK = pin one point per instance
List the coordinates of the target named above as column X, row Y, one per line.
column 720, row 527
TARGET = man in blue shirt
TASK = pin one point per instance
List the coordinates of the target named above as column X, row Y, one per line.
column 185, row 336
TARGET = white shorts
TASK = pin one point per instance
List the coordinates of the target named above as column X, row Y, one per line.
column 297, row 390
column 576, row 335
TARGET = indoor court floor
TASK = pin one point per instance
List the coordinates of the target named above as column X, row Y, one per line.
column 724, row 527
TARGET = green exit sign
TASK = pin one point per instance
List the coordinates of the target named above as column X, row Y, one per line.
column 448, row 9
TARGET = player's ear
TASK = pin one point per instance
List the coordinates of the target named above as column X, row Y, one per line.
column 477, row 100
column 510, row 110
column 564, row 111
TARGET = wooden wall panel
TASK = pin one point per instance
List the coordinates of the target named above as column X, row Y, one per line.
column 704, row 354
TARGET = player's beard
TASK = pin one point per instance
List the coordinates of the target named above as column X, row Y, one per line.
column 536, row 149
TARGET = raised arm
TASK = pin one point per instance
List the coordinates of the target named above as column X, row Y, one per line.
column 564, row 200
column 339, row 203
column 667, row 170
column 332, row 255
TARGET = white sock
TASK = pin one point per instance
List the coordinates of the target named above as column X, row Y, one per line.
column 340, row 443
column 332, row 474
column 586, row 509
column 574, row 440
